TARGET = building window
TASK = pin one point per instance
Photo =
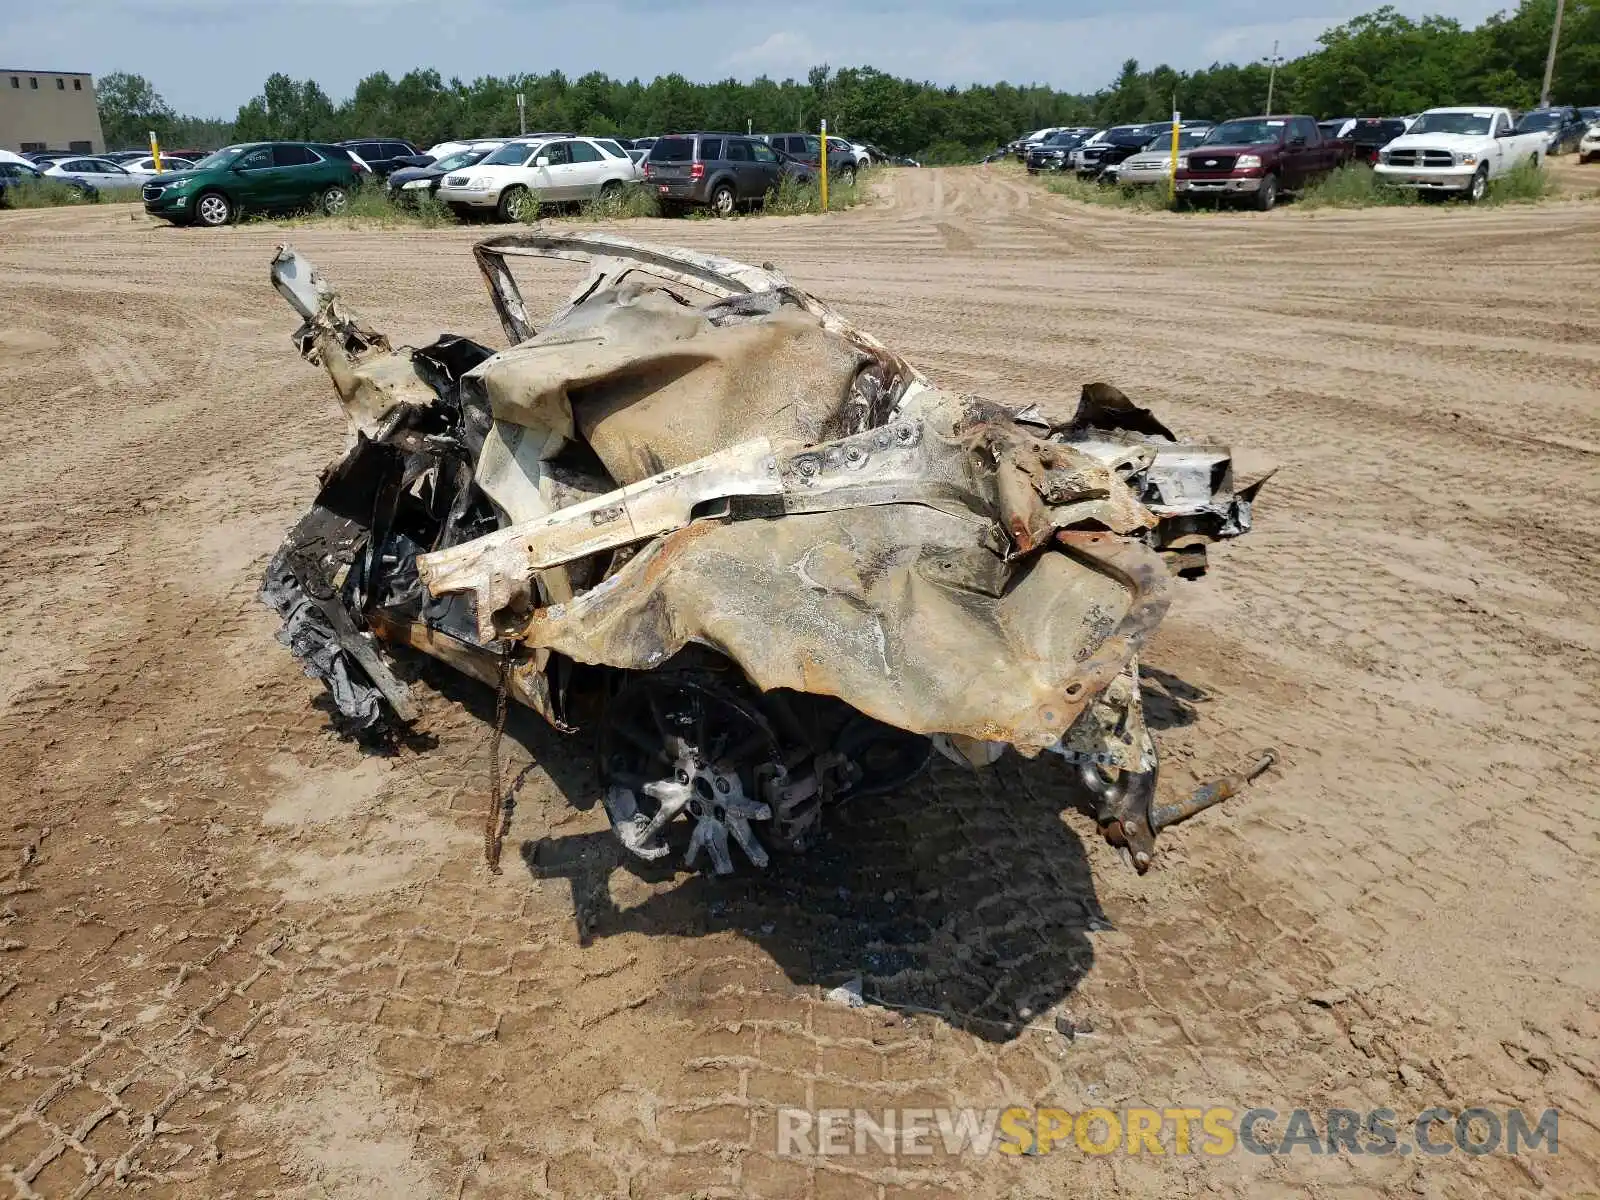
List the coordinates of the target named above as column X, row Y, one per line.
column 77, row 85
column 61, row 85
column 33, row 82
column 81, row 147
column 15, row 82
column 32, row 147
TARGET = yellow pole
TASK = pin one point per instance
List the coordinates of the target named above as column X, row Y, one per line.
column 1172, row 175
column 824, row 165
column 155, row 151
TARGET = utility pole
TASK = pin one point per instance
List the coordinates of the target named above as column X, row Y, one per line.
column 1550, row 59
column 1272, row 75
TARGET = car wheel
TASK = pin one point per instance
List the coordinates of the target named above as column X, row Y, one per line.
column 514, row 203
column 723, row 201
column 334, row 201
column 847, row 176
column 213, row 209
column 1267, row 194
column 1479, row 187
column 610, row 188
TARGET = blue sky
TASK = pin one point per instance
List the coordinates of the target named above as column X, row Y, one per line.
column 209, row 56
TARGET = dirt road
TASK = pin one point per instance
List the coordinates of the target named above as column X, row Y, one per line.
column 241, row 956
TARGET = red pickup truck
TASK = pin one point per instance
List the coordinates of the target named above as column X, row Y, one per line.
column 1258, row 159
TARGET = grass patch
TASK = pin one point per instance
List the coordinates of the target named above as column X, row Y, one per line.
column 631, row 200
column 1353, row 186
column 791, row 197
column 368, row 205
column 1523, row 184
column 1356, row 186
column 52, row 193
column 1144, row 198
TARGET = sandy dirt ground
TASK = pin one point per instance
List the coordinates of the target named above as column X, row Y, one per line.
column 241, row 956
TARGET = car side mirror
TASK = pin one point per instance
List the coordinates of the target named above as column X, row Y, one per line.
column 542, row 161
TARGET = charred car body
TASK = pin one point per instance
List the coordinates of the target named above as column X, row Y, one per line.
column 746, row 548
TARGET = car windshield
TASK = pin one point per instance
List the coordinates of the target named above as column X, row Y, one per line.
column 512, row 154
column 1541, row 120
column 1246, row 133
column 219, row 158
column 1453, row 122
column 455, row 161
column 1064, row 139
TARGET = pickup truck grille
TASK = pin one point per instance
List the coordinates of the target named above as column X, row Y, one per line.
column 1421, row 158
column 1212, row 162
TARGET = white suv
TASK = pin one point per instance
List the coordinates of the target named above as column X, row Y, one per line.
column 545, row 170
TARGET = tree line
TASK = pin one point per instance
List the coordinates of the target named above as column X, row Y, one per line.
column 1381, row 63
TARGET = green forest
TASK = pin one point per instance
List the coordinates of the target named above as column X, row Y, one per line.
column 1380, row 63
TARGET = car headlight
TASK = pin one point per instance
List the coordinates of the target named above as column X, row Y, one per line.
column 1246, row 161
column 1467, row 160
column 1383, row 156
column 1183, row 162
column 481, row 184
column 414, row 185
column 181, row 185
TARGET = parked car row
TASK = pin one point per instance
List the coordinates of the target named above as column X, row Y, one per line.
column 1258, row 159
column 506, row 177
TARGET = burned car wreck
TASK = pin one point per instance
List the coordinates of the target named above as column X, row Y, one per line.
column 751, row 552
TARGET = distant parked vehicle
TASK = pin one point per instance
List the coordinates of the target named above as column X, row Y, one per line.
column 1153, row 163
column 99, row 173
column 1107, row 147
column 1367, row 136
column 1562, row 127
column 262, row 176
column 409, row 182
column 17, row 172
column 445, row 149
column 384, row 155
column 1257, row 159
column 1054, row 153
column 1333, row 127
column 1458, row 150
column 807, row 148
column 719, row 171
column 147, row 165
column 1589, row 144
column 521, row 174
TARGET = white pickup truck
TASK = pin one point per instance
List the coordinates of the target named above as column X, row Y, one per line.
column 1457, row 150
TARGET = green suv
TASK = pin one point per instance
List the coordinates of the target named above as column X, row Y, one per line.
column 259, row 176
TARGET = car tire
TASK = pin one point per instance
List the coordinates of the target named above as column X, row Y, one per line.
column 609, row 188
column 847, row 177
column 513, row 202
column 1479, row 187
column 724, row 202
column 333, row 200
column 1267, row 194
column 212, row 209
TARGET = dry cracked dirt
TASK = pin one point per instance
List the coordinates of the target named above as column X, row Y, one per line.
column 242, row 956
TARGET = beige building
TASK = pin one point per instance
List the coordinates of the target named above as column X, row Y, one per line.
column 49, row 110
